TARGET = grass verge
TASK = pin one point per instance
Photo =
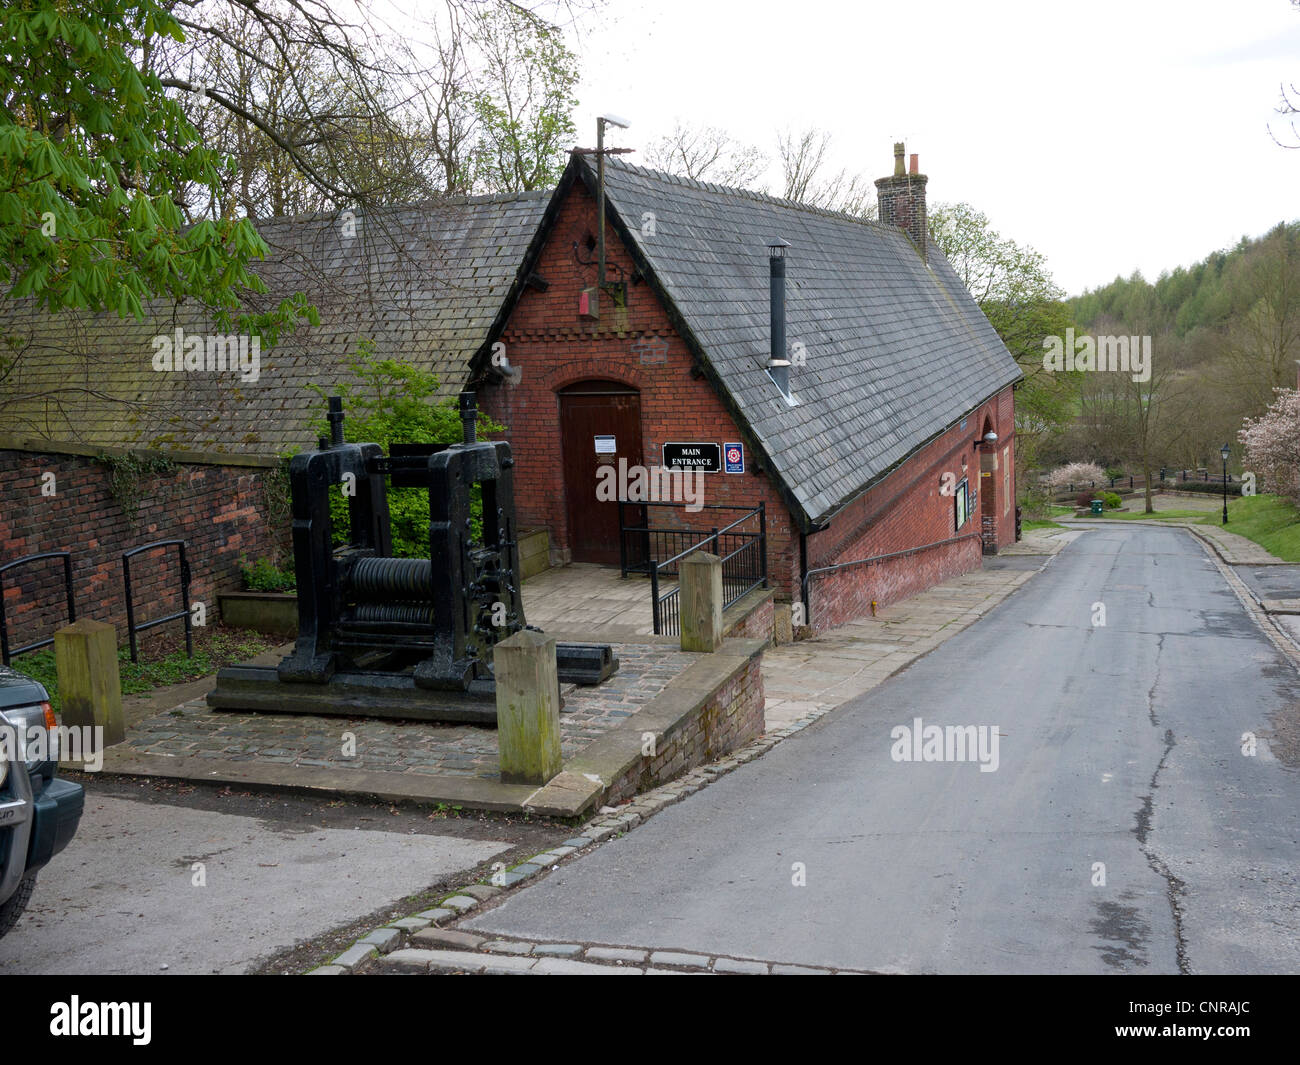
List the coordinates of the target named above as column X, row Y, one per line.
column 1270, row 521
column 1193, row 516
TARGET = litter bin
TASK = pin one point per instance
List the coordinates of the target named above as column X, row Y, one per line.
column 1096, row 506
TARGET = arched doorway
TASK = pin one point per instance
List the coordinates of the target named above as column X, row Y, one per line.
column 600, row 423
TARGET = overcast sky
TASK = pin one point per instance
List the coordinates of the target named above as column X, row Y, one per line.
column 1112, row 135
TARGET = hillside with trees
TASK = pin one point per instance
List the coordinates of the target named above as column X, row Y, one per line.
column 1225, row 333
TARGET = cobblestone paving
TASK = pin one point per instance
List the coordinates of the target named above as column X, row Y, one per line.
column 195, row 730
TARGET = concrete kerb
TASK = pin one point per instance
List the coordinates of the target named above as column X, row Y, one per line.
column 475, row 954
column 1277, row 636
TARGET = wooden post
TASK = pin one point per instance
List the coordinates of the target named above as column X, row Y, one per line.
column 701, row 601
column 90, row 688
column 528, row 708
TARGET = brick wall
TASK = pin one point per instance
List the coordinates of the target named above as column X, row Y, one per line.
column 220, row 511
column 755, row 624
column 730, row 718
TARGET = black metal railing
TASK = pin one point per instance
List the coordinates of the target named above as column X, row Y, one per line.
column 131, row 627
column 658, row 550
column 1164, row 475
column 5, row 651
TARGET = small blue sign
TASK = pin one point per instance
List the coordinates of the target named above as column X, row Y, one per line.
column 734, row 457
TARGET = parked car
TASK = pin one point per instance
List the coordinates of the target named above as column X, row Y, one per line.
column 39, row 813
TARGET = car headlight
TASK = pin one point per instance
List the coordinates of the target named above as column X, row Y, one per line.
column 31, row 735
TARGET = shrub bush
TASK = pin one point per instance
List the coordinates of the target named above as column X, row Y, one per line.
column 1110, row 500
column 1209, row 487
column 265, row 576
column 1036, row 503
column 394, row 403
column 1084, row 499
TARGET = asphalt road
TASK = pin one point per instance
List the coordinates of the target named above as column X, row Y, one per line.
column 126, row 896
column 1118, row 744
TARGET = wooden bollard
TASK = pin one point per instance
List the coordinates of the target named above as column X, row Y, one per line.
column 700, row 601
column 528, row 708
column 90, row 688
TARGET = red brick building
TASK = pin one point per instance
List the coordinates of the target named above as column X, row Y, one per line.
column 893, row 437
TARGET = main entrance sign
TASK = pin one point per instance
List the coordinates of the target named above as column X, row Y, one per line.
column 693, row 456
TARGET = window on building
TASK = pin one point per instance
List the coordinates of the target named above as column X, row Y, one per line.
column 962, row 503
column 1006, row 480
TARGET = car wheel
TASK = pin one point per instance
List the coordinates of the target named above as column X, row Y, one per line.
column 13, row 909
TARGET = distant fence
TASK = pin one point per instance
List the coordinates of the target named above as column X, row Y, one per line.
column 1165, row 478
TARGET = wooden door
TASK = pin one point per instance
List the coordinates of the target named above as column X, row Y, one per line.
column 591, row 413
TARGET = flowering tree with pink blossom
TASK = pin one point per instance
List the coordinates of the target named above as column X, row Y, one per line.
column 1080, row 473
column 1272, row 445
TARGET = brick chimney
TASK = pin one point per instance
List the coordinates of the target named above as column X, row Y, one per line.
column 902, row 200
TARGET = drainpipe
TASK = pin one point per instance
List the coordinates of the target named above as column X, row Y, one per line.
column 803, row 573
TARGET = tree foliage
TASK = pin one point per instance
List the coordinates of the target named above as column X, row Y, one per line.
column 324, row 112
column 707, row 153
column 96, row 161
column 807, row 176
column 1272, row 445
column 1085, row 473
column 1228, row 329
column 525, row 106
column 1014, row 288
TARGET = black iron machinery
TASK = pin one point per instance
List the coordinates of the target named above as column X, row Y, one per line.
column 374, row 630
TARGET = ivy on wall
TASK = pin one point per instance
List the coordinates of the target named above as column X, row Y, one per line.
column 125, row 474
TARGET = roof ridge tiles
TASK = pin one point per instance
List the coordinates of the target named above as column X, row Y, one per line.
column 744, row 193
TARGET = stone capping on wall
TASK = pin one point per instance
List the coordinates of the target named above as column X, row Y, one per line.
column 713, row 707
column 274, row 613
column 34, row 445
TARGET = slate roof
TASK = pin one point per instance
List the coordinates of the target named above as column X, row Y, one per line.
column 424, row 282
column 897, row 350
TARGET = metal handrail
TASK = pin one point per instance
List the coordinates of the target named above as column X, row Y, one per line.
column 878, row 558
column 5, row 652
column 753, row 541
column 131, row 627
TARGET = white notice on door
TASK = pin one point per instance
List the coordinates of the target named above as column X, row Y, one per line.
column 605, row 445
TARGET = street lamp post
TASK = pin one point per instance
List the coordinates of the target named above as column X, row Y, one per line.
column 1225, row 451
